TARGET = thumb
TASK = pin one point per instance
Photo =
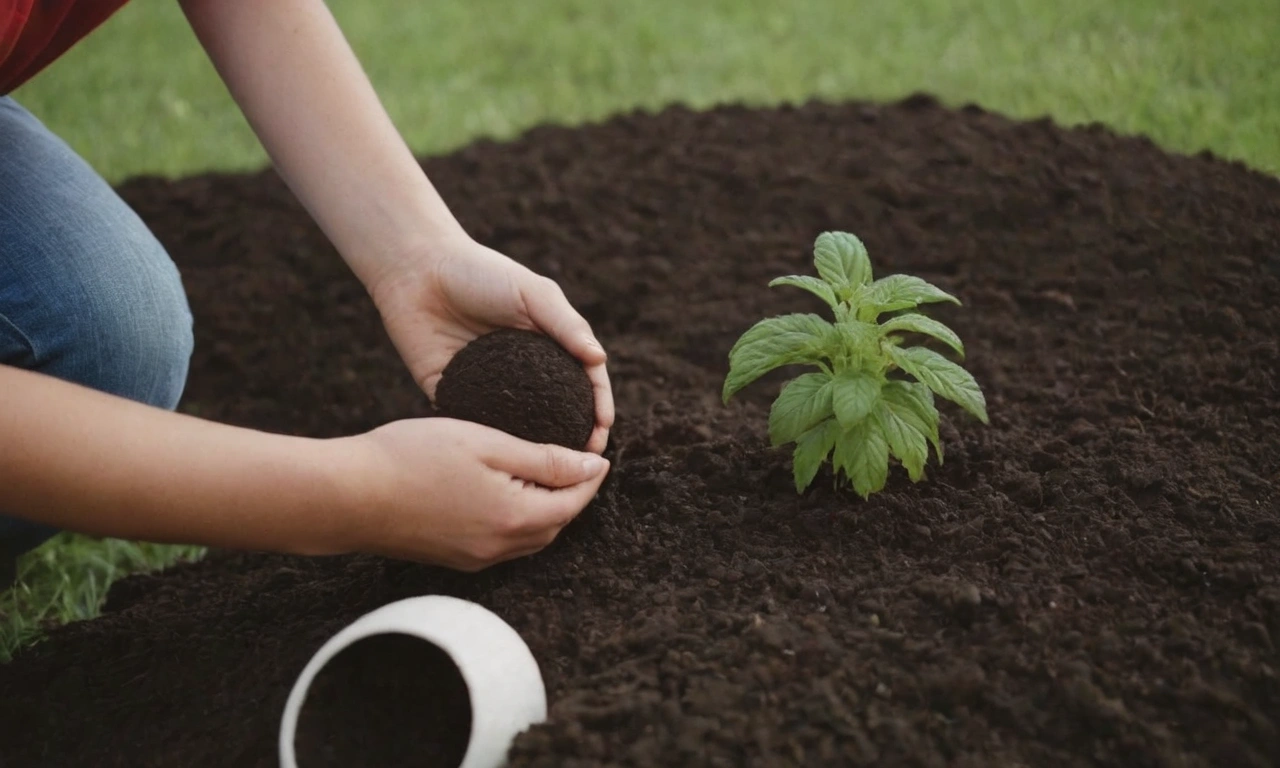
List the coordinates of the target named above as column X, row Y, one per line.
column 555, row 316
column 552, row 466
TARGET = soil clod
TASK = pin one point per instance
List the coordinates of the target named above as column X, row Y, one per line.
column 523, row 383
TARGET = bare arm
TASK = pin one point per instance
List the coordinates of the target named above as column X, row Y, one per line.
column 451, row 493
column 291, row 71
column 82, row 460
column 293, row 74
column 433, row 490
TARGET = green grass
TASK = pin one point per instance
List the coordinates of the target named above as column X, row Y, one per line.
column 139, row 97
column 67, row 579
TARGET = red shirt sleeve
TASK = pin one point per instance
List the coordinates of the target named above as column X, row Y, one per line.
column 34, row 33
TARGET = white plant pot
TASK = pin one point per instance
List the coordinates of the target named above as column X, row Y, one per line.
column 502, row 677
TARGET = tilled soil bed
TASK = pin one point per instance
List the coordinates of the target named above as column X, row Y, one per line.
column 1093, row 579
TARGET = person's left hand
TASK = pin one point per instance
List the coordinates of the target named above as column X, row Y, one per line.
column 434, row 305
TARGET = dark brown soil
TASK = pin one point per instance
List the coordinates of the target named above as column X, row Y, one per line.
column 523, row 383
column 1092, row 580
column 394, row 696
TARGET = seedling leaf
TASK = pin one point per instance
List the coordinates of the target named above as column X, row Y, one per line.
column 943, row 377
column 916, row 323
column 811, row 450
column 811, row 284
column 842, row 261
column 858, row 340
column 906, row 442
column 853, row 396
column 895, row 292
column 803, row 402
column 773, row 343
column 862, row 453
column 912, row 402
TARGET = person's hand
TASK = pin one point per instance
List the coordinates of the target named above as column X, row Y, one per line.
column 462, row 495
column 433, row 305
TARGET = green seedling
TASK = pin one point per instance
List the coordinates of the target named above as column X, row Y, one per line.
column 858, row 408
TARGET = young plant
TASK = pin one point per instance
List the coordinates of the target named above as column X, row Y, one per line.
column 851, row 409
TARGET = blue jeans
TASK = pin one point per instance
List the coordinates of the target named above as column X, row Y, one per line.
column 87, row 293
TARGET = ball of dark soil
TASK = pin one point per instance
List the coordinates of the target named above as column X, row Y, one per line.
column 523, row 383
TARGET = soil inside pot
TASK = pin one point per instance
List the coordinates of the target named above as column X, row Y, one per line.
column 523, row 383
column 385, row 700
column 1089, row 581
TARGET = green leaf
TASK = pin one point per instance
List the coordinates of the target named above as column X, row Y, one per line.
column 905, row 440
column 858, row 336
column 943, row 377
column 811, row 450
column 870, row 312
column 811, row 284
column 802, row 403
column 895, row 292
column 913, row 403
column 917, row 323
column 859, row 344
column 842, row 261
column 862, row 454
column 854, row 394
column 773, row 343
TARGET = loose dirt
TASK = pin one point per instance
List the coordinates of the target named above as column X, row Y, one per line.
column 1090, row 580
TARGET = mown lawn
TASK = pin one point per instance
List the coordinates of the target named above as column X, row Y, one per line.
column 139, row 97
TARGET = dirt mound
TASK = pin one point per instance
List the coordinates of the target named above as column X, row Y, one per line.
column 1091, row 580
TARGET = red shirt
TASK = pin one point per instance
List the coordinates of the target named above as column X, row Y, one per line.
column 33, row 33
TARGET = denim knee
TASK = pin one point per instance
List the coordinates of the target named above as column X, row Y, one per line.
column 89, row 294
column 125, row 334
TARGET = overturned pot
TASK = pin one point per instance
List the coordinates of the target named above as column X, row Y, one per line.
column 454, row 651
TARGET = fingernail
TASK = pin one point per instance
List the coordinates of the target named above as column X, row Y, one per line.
column 593, row 464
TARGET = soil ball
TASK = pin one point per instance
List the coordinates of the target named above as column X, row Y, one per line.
column 523, row 383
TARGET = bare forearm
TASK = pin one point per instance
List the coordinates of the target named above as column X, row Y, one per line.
column 82, row 460
column 300, row 86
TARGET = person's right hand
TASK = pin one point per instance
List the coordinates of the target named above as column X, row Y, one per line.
column 465, row 496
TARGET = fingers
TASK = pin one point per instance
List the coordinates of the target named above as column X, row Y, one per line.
column 550, row 466
column 535, row 515
column 536, row 522
column 545, row 512
column 561, row 506
column 552, row 312
column 555, row 485
column 603, row 392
